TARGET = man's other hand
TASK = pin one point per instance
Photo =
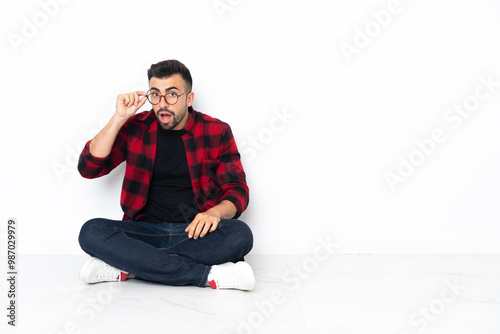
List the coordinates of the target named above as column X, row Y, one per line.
column 203, row 223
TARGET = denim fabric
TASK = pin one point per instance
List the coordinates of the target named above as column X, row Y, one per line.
column 162, row 252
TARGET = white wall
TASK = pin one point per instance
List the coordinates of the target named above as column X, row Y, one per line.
column 347, row 117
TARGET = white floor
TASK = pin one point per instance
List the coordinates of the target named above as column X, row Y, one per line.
column 343, row 294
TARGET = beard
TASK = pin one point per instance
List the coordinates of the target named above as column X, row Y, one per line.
column 173, row 121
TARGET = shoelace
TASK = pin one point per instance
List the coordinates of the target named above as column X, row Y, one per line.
column 107, row 272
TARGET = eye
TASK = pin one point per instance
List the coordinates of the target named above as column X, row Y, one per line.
column 171, row 94
column 155, row 94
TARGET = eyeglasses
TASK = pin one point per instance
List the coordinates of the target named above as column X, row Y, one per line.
column 171, row 98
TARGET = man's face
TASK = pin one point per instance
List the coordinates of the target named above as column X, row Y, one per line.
column 171, row 116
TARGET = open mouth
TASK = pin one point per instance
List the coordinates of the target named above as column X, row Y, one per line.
column 164, row 116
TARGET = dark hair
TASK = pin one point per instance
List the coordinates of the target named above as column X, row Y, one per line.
column 167, row 68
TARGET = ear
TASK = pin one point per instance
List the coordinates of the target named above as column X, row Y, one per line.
column 190, row 99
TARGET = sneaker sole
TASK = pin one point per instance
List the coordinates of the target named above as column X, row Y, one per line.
column 248, row 271
column 84, row 269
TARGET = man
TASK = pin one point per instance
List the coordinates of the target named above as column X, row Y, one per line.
column 183, row 189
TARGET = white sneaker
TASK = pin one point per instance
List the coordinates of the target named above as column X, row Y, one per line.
column 95, row 271
column 232, row 276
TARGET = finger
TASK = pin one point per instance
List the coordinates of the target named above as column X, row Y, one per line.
column 133, row 98
column 214, row 226
column 142, row 101
column 199, row 228
column 124, row 99
column 206, row 228
column 136, row 98
column 191, row 228
column 130, row 100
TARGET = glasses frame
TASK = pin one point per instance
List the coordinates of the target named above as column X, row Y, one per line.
column 165, row 97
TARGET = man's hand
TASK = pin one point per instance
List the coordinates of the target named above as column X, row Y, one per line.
column 203, row 223
column 209, row 220
column 128, row 104
column 126, row 107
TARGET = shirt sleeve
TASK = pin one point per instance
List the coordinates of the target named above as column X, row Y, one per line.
column 92, row 167
column 230, row 174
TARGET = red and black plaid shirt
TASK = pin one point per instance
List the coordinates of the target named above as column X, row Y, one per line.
column 211, row 152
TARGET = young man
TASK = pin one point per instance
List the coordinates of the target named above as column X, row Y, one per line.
column 183, row 189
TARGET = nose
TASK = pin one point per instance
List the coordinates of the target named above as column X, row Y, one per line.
column 163, row 102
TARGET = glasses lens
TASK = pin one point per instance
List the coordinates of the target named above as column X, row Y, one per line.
column 154, row 97
column 171, row 98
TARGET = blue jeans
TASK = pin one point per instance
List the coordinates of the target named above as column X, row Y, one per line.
column 162, row 252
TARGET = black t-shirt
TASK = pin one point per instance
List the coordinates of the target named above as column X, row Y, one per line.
column 171, row 198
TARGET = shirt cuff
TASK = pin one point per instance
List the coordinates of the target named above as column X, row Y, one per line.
column 90, row 158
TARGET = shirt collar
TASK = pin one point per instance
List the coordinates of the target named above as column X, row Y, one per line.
column 150, row 118
column 192, row 122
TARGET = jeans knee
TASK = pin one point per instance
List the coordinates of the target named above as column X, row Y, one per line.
column 88, row 234
column 245, row 235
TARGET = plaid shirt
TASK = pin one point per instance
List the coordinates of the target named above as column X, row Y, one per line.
column 212, row 157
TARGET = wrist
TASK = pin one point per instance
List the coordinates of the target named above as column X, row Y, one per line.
column 118, row 121
column 214, row 211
